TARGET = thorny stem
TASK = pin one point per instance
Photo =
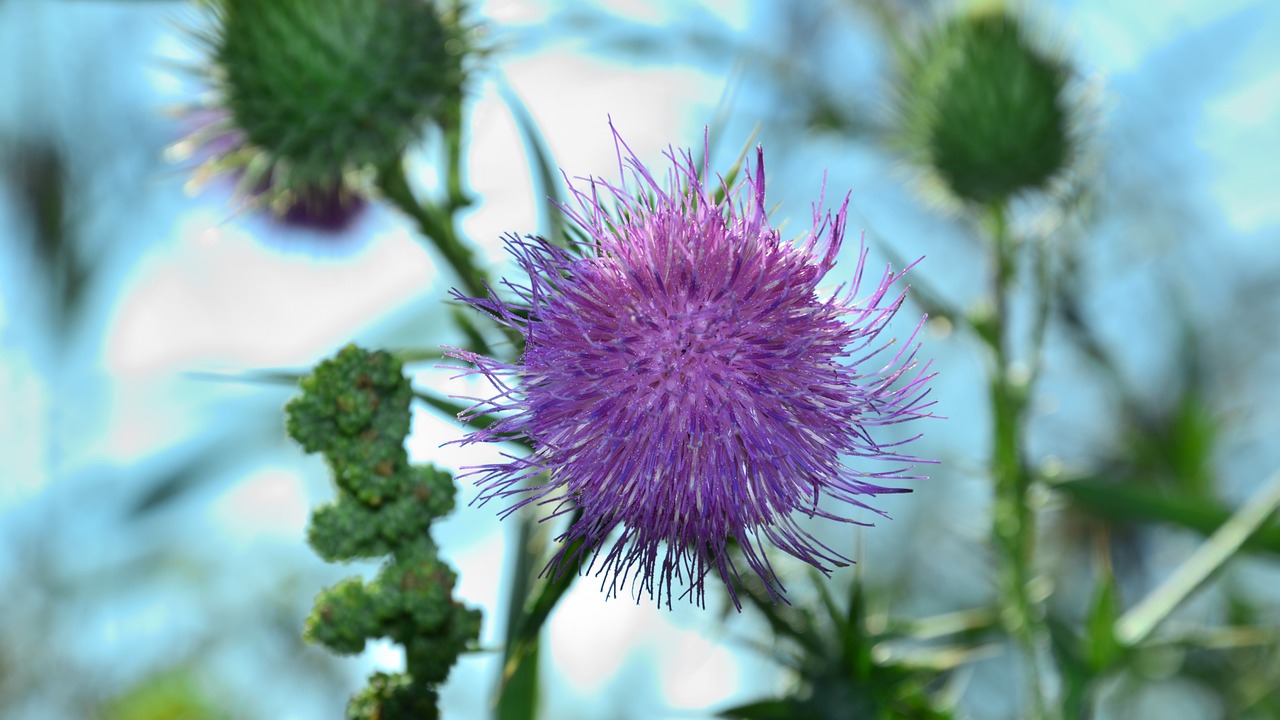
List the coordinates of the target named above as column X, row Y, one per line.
column 437, row 224
column 1013, row 525
column 458, row 198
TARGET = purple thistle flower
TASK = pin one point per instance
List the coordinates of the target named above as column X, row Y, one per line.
column 686, row 386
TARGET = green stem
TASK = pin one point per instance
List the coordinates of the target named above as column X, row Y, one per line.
column 1013, row 525
column 437, row 225
column 527, row 613
column 452, row 127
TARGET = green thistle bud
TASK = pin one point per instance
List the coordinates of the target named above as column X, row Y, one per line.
column 983, row 110
column 316, row 93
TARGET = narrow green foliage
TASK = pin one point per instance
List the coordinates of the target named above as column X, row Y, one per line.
column 546, row 179
column 1103, row 650
column 40, row 175
column 1089, row 653
column 1076, row 676
column 518, row 689
column 841, row 676
column 518, row 684
column 476, row 341
column 452, row 409
column 354, row 409
column 1191, row 574
column 763, row 710
column 1175, row 446
column 1125, row 500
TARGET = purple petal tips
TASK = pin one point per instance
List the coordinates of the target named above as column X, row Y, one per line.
column 686, row 386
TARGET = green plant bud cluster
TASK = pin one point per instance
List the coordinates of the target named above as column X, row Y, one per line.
column 354, row 409
column 390, row 695
column 345, row 530
column 323, row 88
column 983, row 109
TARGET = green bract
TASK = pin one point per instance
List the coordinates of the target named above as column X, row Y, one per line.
column 983, row 110
column 321, row 90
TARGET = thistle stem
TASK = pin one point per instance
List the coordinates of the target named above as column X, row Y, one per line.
column 436, row 224
column 455, row 185
column 1013, row 524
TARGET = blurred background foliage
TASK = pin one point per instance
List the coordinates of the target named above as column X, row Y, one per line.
column 1137, row 313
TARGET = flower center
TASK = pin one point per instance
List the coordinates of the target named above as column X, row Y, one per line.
column 689, row 351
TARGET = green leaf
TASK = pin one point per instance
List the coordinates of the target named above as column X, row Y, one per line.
column 922, row 291
column 545, row 176
column 451, row 408
column 1102, row 649
column 517, row 692
column 475, row 340
column 537, row 612
column 837, row 617
column 167, row 695
column 765, row 710
column 731, row 175
column 259, row 377
column 856, row 648
column 41, row 177
column 1076, row 677
column 1130, row 502
column 780, row 619
column 1194, row 437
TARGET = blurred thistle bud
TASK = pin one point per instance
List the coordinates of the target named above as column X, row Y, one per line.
column 313, row 95
column 983, row 109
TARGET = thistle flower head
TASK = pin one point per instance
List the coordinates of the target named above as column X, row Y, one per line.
column 687, row 387
column 983, row 108
column 313, row 95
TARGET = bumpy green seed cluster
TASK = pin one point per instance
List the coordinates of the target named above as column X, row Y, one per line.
column 983, row 109
column 354, row 409
column 325, row 88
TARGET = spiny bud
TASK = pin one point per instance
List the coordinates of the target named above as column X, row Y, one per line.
column 982, row 108
column 319, row 92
